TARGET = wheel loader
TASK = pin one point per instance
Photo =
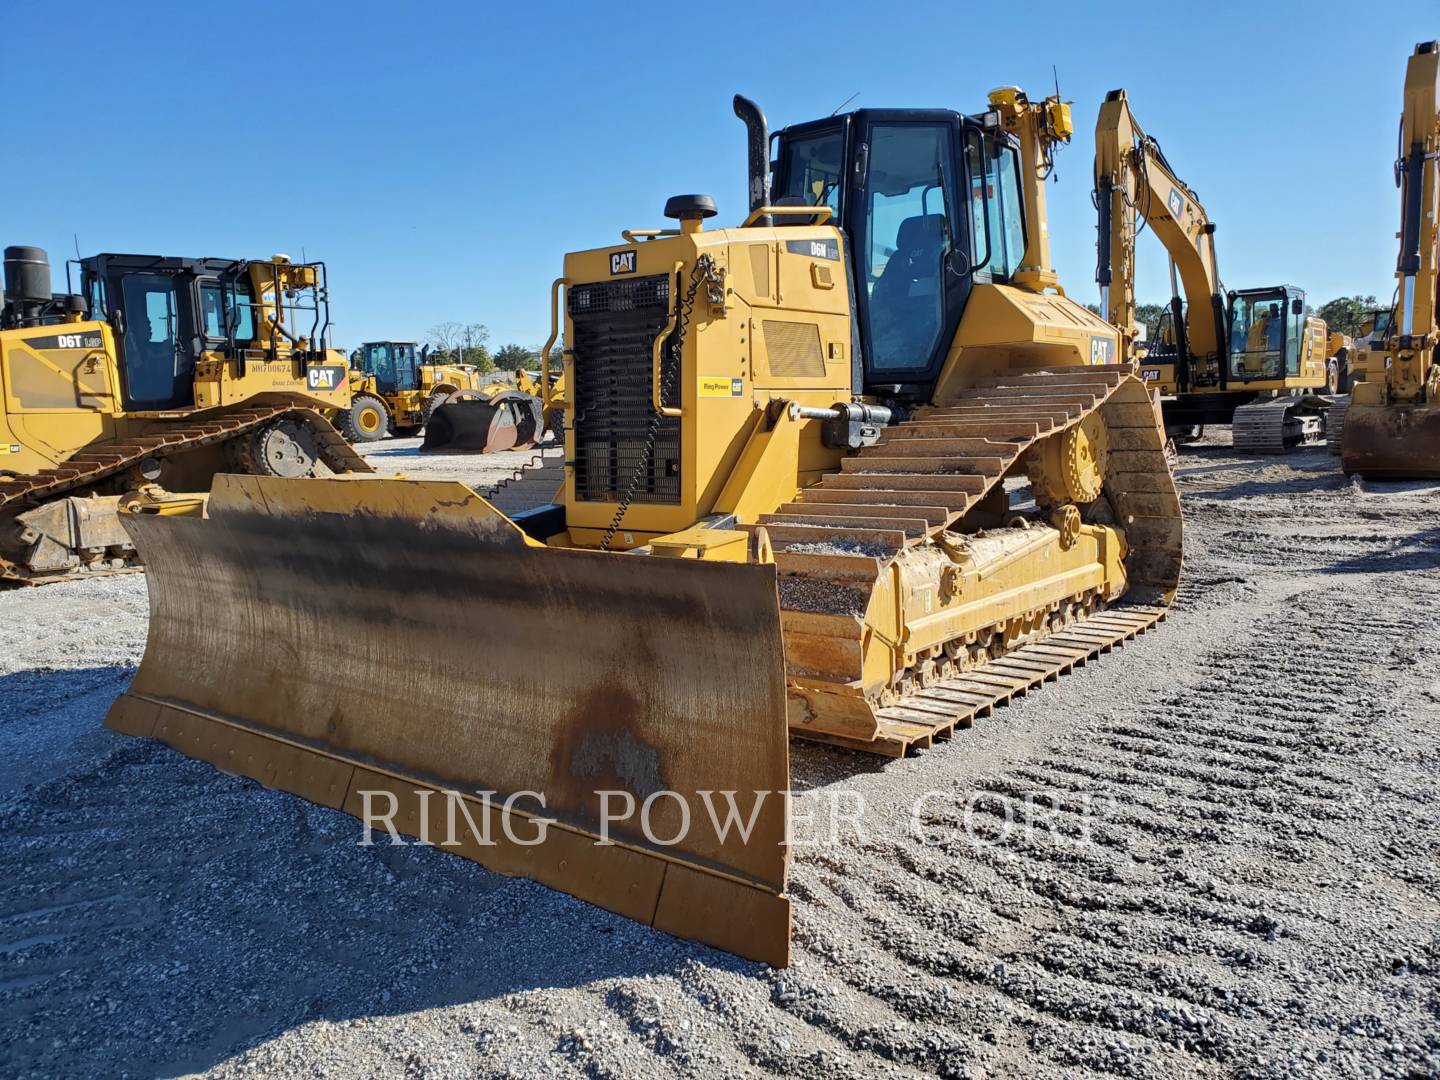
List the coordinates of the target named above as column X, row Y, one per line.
column 395, row 388
column 158, row 373
column 1392, row 427
column 1250, row 358
column 856, row 471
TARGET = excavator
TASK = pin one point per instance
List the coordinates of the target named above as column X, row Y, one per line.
column 1392, row 427
column 856, row 470
column 1251, row 358
column 157, row 374
column 395, row 387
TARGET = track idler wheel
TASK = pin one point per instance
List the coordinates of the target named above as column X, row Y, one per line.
column 1070, row 467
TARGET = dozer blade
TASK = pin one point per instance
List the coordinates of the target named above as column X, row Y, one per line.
column 358, row 642
column 1396, row 442
column 506, row 422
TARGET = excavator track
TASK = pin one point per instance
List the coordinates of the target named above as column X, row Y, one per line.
column 1279, row 424
column 91, row 466
column 833, row 547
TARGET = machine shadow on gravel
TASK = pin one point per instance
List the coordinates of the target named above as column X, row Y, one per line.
column 1418, row 551
column 182, row 915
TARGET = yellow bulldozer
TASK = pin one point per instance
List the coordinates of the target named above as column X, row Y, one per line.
column 1251, row 358
column 855, row 470
column 1392, row 427
column 154, row 373
column 395, row 388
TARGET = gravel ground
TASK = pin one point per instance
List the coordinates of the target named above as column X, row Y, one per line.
column 1213, row 852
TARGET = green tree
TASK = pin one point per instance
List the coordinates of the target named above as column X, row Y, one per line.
column 1347, row 313
column 1147, row 315
column 515, row 357
column 460, row 343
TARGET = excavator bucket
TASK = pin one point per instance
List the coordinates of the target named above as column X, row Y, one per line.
column 1396, row 442
column 610, row 725
column 507, row 421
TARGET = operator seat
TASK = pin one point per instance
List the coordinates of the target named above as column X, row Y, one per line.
column 905, row 303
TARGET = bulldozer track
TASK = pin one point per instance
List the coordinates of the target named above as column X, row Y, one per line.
column 1278, row 425
column 832, row 546
column 103, row 462
column 933, row 714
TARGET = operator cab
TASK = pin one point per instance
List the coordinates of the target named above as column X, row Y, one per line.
column 930, row 202
column 167, row 312
column 393, row 364
column 1267, row 333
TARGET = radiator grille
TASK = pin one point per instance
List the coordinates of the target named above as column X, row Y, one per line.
column 615, row 324
column 626, row 294
column 794, row 349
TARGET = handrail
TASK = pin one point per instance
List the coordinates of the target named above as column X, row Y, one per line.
column 632, row 236
column 550, row 341
column 824, row 213
column 655, row 352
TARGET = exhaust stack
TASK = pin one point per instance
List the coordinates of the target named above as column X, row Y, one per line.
column 757, row 145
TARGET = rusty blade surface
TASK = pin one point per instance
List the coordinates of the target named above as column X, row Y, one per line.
column 409, row 629
column 1392, row 441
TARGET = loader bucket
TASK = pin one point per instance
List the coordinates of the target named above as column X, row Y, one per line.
column 370, row 644
column 507, row 421
column 1396, row 442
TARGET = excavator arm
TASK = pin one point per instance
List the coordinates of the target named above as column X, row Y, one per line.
column 1133, row 181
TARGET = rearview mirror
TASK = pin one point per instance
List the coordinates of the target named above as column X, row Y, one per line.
column 1297, row 306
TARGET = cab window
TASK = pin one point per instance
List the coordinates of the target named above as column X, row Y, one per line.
column 996, row 204
column 223, row 306
column 1258, row 335
column 1002, row 176
column 812, row 167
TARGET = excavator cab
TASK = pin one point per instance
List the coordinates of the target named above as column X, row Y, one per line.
column 1267, row 332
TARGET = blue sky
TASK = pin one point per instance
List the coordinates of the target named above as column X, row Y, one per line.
column 442, row 157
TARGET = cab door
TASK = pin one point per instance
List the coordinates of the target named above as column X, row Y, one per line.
column 157, row 358
column 912, row 265
column 407, row 375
